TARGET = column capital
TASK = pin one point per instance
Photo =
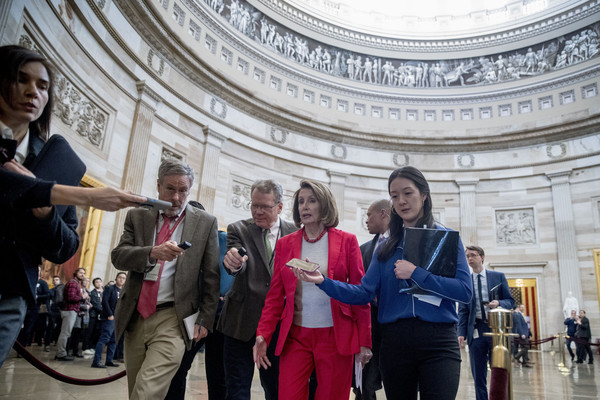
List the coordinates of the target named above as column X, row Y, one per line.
column 467, row 184
column 559, row 177
column 213, row 137
column 147, row 95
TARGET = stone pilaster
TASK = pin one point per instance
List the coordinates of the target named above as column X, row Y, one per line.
column 566, row 246
column 210, row 167
column 337, row 184
column 135, row 164
column 468, row 216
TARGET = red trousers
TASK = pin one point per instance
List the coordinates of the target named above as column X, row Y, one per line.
column 306, row 349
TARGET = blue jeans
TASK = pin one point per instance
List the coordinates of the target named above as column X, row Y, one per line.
column 107, row 338
column 12, row 314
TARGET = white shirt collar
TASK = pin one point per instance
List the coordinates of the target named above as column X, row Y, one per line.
column 22, row 148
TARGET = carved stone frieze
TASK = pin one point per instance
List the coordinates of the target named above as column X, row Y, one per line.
column 465, row 160
column 400, row 159
column 156, row 62
column 279, row 136
column 218, row 107
column 240, row 194
column 169, row 154
column 555, row 151
column 339, row 151
column 515, row 227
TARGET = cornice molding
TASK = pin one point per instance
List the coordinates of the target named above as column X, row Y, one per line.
column 532, row 29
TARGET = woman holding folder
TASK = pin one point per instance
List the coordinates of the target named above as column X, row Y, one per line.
column 316, row 332
column 419, row 347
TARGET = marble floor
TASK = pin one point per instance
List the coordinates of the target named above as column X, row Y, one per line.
column 21, row 381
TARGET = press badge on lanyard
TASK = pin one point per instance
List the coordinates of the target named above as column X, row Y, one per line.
column 153, row 274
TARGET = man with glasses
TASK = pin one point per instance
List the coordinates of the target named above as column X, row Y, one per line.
column 245, row 301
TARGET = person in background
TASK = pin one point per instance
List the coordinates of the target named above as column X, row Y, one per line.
column 584, row 334
column 79, row 331
column 490, row 290
column 378, row 221
column 520, row 328
column 316, row 333
column 72, row 297
column 571, row 324
column 43, row 302
column 107, row 323
column 93, row 331
column 419, row 351
column 33, row 314
column 56, row 301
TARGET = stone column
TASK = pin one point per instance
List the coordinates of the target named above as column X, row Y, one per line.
column 337, row 184
column 210, row 168
column 135, row 164
column 568, row 267
column 468, row 216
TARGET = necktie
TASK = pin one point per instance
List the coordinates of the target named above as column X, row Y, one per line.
column 480, row 298
column 149, row 293
column 269, row 252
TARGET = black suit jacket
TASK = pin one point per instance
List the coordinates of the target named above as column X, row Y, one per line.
column 246, row 299
column 109, row 302
column 24, row 239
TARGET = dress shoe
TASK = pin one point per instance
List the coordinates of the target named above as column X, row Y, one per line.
column 64, row 358
column 591, row 362
column 527, row 365
column 111, row 364
column 579, row 361
column 94, row 365
column 47, row 349
column 78, row 355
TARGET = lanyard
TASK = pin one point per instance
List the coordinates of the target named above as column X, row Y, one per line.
column 171, row 230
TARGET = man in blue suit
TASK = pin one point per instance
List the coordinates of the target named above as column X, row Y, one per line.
column 490, row 291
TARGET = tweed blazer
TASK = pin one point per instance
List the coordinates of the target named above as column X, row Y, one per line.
column 245, row 301
column 197, row 276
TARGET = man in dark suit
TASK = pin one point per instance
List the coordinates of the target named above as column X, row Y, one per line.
column 378, row 221
column 520, row 328
column 245, row 301
column 584, row 333
column 165, row 284
column 110, row 298
column 490, row 291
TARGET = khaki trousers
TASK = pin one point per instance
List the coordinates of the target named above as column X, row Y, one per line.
column 153, row 349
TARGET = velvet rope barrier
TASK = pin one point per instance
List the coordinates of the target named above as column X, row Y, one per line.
column 499, row 384
column 57, row 375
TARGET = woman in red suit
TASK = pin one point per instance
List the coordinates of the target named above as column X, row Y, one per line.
column 317, row 332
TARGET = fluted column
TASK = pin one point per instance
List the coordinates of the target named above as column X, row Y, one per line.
column 564, row 226
column 210, row 167
column 135, row 165
column 337, row 184
column 468, row 216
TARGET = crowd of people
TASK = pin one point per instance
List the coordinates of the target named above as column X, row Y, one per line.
column 183, row 284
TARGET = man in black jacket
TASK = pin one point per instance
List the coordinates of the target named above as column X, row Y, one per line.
column 107, row 323
column 584, row 334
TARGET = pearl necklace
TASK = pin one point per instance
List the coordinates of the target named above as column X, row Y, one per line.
column 315, row 239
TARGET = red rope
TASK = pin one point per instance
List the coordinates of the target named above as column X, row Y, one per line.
column 58, row 376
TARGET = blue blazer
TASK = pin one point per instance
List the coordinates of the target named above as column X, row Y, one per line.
column 467, row 312
column 520, row 325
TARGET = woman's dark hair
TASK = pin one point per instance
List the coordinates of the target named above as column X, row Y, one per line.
column 13, row 59
column 396, row 223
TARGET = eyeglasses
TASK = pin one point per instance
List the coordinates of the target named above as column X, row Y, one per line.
column 261, row 207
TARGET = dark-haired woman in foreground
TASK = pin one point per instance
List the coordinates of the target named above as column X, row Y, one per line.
column 419, row 348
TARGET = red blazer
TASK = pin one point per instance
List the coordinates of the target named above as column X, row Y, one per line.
column 351, row 324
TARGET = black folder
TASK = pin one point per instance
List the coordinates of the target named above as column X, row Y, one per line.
column 58, row 162
column 435, row 250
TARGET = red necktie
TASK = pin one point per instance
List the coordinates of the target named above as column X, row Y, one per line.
column 149, row 293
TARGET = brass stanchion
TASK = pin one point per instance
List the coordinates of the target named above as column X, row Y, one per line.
column 501, row 322
column 562, row 365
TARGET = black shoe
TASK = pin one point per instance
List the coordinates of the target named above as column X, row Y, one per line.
column 111, row 364
column 64, row 358
column 94, row 365
column 78, row 355
column 591, row 362
column 47, row 349
column 579, row 361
